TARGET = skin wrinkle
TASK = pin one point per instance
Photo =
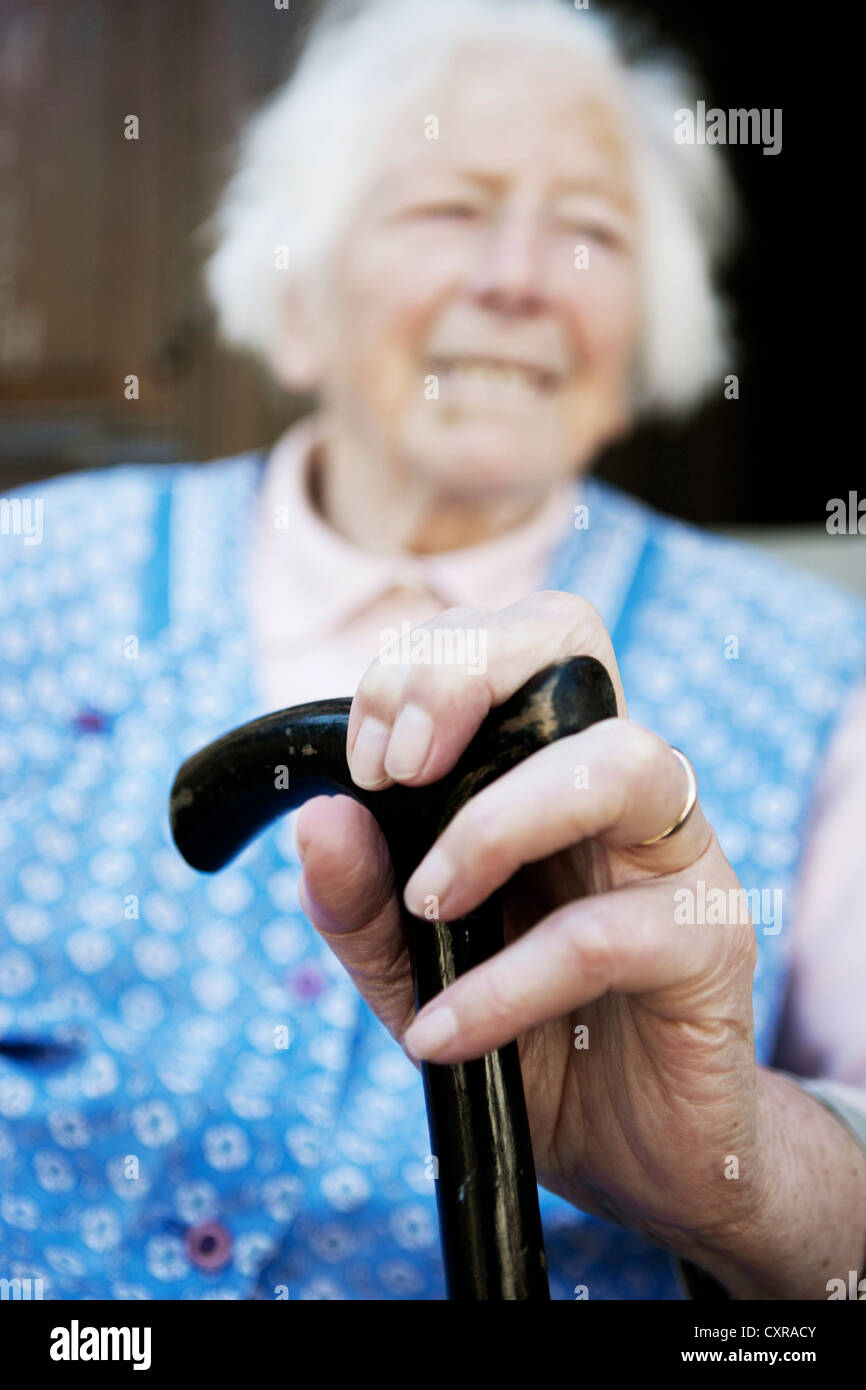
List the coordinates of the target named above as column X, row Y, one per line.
column 479, row 831
column 640, row 1153
column 393, row 969
column 573, row 1091
column 385, row 881
column 712, row 1026
column 645, row 1158
column 484, row 824
column 702, row 1097
column 769, row 1214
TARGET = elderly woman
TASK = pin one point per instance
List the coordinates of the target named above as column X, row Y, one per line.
column 469, row 229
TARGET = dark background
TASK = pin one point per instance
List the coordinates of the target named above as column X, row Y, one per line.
column 99, row 263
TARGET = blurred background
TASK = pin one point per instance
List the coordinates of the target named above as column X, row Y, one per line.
column 100, row 253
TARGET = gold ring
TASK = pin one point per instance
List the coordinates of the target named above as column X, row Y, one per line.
column 691, row 798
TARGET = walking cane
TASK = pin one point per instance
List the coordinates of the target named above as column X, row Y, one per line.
column 224, row 795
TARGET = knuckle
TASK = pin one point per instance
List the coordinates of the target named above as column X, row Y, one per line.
column 500, row 996
column 482, row 834
column 639, row 760
column 431, row 685
column 646, row 753
column 561, row 603
column 461, row 613
column 439, row 652
column 585, row 617
column 590, row 948
column 643, row 744
column 635, row 757
column 381, row 687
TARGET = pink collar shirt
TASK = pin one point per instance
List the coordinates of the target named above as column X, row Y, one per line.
column 324, row 605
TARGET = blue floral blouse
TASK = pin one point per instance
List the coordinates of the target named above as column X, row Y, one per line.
column 153, row 1142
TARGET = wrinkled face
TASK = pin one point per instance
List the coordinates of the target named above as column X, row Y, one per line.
column 482, row 309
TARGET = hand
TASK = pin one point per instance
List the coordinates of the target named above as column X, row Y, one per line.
column 635, row 1032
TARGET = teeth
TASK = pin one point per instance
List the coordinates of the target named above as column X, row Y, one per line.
column 494, row 376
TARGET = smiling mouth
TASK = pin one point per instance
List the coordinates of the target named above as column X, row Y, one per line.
column 496, row 375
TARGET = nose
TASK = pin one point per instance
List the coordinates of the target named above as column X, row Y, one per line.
column 510, row 276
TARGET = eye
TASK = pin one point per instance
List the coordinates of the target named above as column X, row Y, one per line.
column 592, row 231
column 454, row 210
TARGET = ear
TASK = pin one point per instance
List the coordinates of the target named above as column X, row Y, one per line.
column 296, row 357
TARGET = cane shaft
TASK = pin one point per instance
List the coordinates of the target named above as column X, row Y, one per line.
column 227, row 793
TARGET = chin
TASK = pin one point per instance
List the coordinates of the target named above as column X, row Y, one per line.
column 480, row 461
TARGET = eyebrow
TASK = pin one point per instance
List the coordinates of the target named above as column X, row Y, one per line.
column 592, row 184
column 587, row 185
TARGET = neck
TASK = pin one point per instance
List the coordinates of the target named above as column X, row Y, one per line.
column 377, row 503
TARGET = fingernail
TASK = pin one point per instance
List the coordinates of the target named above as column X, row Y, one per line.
column 432, row 878
column 410, row 742
column 431, row 1031
column 368, row 755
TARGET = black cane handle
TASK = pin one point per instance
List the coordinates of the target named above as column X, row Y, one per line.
column 231, row 790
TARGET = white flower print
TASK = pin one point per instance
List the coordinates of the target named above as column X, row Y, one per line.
column 165, row 1258
column 155, row 1123
column 68, row 1128
column 100, row 1229
column 345, row 1188
column 53, row 1172
column 196, row 1202
column 413, row 1227
column 226, row 1147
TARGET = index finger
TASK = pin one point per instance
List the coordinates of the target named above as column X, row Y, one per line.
column 422, row 715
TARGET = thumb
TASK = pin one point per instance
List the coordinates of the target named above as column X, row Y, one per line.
column 347, row 891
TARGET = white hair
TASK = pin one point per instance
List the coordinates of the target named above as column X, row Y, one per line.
column 309, row 153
